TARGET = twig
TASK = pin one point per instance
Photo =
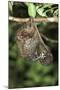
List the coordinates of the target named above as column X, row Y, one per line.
column 21, row 20
column 48, row 39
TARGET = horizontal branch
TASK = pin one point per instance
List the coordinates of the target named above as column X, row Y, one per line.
column 22, row 20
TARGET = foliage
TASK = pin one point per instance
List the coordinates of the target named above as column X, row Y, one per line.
column 21, row 72
column 47, row 10
column 31, row 9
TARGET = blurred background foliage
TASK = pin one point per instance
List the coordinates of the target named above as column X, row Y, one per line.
column 21, row 72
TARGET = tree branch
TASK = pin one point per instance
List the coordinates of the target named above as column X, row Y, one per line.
column 48, row 39
column 22, row 20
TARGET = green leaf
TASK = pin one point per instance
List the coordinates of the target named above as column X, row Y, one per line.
column 10, row 5
column 56, row 12
column 31, row 10
column 26, row 3
column 41, row 12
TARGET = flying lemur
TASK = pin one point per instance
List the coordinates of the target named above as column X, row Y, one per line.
column 31, row 46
